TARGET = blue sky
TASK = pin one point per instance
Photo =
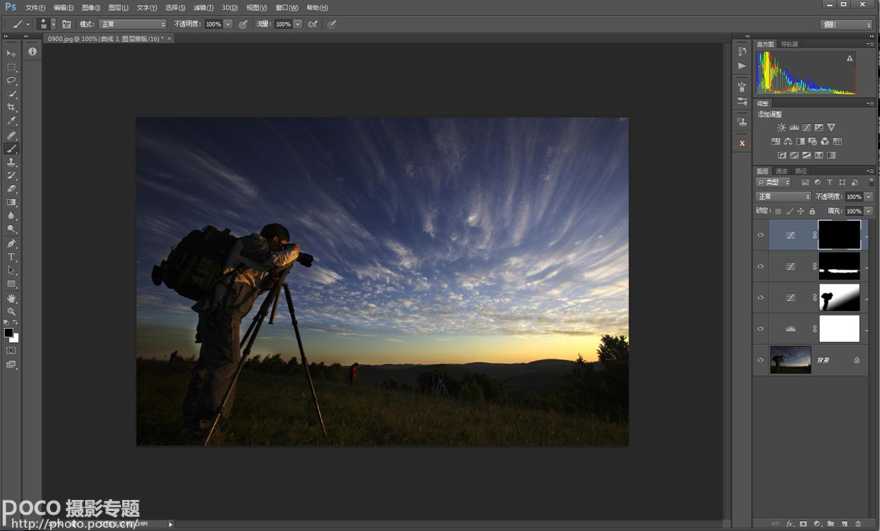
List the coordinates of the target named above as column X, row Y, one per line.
column 436, row 240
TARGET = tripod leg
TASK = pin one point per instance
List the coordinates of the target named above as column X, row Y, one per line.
column 250, row 329
column 302, row 354
column 251, row 336
column 274, row 307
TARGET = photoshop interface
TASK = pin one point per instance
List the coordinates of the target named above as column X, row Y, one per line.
column 442, row 264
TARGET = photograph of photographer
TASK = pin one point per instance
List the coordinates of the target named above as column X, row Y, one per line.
column 434, row 282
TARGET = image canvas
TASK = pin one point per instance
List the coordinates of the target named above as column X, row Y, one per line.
column 382, row 281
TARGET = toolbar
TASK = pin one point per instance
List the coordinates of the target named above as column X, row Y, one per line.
column 14, row 52
column 444, row 8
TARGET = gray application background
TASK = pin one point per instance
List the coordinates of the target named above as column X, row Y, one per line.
column 821, row 444
column 671, row 470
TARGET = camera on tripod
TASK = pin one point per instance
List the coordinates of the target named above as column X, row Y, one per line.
column 305, row 259
column 270, row 303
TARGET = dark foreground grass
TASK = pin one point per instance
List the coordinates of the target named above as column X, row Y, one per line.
column 277, row 410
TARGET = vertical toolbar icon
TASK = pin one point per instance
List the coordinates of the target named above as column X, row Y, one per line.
column 741, row 92
column 13, row 55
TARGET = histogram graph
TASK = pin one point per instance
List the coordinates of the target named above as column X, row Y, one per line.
column 806, row 73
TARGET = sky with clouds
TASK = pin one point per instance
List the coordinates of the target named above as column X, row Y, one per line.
column 436, row 239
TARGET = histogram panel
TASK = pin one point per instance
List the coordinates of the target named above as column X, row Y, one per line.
column 805, row 73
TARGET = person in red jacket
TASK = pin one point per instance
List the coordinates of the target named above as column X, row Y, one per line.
column 353, row 374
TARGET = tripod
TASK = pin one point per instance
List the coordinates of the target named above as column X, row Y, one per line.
column 247, row 342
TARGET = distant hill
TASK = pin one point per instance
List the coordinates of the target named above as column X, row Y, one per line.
column 533, row 375
column 536, row 375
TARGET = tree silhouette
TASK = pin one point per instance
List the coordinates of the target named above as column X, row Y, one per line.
column 273, row 364
column 613, row 348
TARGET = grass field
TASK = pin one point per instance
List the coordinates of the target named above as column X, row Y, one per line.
column 277, row 410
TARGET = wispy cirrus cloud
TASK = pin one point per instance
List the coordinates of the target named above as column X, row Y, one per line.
column 322, row 275
column 421, row 227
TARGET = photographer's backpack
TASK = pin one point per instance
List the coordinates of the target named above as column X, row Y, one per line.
column 196, row 263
